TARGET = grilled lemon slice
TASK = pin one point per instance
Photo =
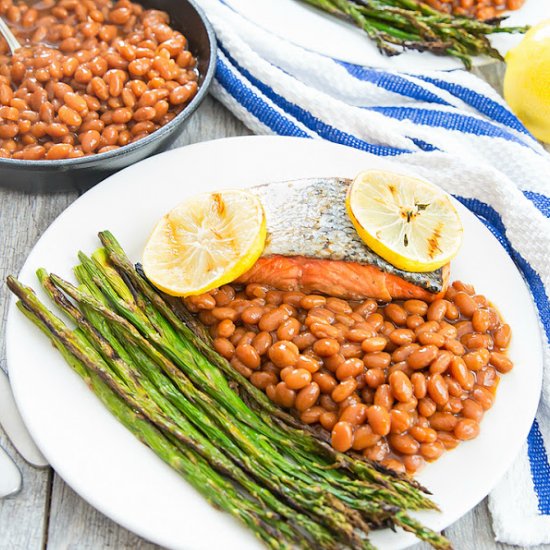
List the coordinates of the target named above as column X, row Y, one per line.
column 205, row 242
column 409, row 222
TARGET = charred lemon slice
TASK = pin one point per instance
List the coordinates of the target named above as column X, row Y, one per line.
column 409, row 222
column 206, row 241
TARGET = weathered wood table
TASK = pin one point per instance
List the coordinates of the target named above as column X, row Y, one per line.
column 47, row 514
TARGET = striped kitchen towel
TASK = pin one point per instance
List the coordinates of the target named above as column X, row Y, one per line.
column 276, row 87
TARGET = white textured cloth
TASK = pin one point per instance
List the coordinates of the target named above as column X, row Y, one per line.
column 449, row 121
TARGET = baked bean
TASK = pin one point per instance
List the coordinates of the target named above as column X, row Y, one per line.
column 454, row 346
column 284, row 354
column 419, row 385
column 326, row 347
column 459, row 371
column 487, row 377
column 400, row 386
column 224, row 347
column 323, row 330
column 288, row 329
column 377, row 360
column 500, row 361
column 402, row 352
column 502, row 336
column 284, row 395
column 344, row 368
column 413, row 463
column 466, row 304
column 443, row 421
column 326, row 382
column 437, row 389
column 404, row 444
column 454, row 388
column 466, row 428
column 416, row 307
column 432, row 451
column 472, row 409
column 262, row 342
column 422, row 357
column 480, row 320
column 342, row 436
column 262, row 379
column 307, row 396
column 344, row 389
column 328, row 419
column 476, row 340
column 437, row 310
column 423, row 434
column 402, row 336
column 312, row 415
column 375, row 344
column 400, row 421
column 297, row 379
column 226, row 328
column 328, row 404
column 414, row 321
column 355, row 414
column 431, row 338
column 304, row 340
column 396, row 314
column 379, row 419
column 476, row 360
column 241, row 368
column 374, row 377
column 350, row 368
column 428, row 326
column 309, row 363
column 364, row 437
column 59, row 151
column 448, row 440
column 248, row 355
column 383, row 396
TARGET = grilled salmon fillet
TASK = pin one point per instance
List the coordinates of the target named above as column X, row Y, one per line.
column 312, row 246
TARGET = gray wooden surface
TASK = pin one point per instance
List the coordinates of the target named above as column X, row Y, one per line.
column 47, row 514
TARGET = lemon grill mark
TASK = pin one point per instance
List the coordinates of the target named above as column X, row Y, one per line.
column 433, row 241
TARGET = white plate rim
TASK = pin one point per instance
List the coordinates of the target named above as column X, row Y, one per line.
column 351, row 44
column 291, row 145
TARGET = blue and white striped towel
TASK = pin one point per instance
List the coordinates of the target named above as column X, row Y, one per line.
column 276, row 87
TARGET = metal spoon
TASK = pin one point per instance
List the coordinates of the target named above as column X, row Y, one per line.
column 13, row 43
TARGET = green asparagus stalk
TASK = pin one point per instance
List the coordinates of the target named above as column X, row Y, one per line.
column 173, row 403
column 216, row 489
column 413, row 24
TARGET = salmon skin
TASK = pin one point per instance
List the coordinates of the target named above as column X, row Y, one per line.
column 312, row 246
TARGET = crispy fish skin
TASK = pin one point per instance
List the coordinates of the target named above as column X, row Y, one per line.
column 312, row 244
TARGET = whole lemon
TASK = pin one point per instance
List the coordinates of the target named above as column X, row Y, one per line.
column 527, row 80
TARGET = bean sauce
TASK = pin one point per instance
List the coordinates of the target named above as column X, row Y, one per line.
column 91, row 76
column 400, row 382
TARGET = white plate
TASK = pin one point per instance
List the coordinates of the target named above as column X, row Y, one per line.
column 109, row 468
column 317, row 31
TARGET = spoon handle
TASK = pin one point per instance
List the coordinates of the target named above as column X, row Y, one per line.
column 13, row 43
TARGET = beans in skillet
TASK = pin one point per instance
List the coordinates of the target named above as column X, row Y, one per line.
column 401, row 382
column 92, row 76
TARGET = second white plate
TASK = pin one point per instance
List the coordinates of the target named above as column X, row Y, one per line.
column 314, row 30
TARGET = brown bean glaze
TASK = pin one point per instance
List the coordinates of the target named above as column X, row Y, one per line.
column 400, row 383
column 91, row 77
